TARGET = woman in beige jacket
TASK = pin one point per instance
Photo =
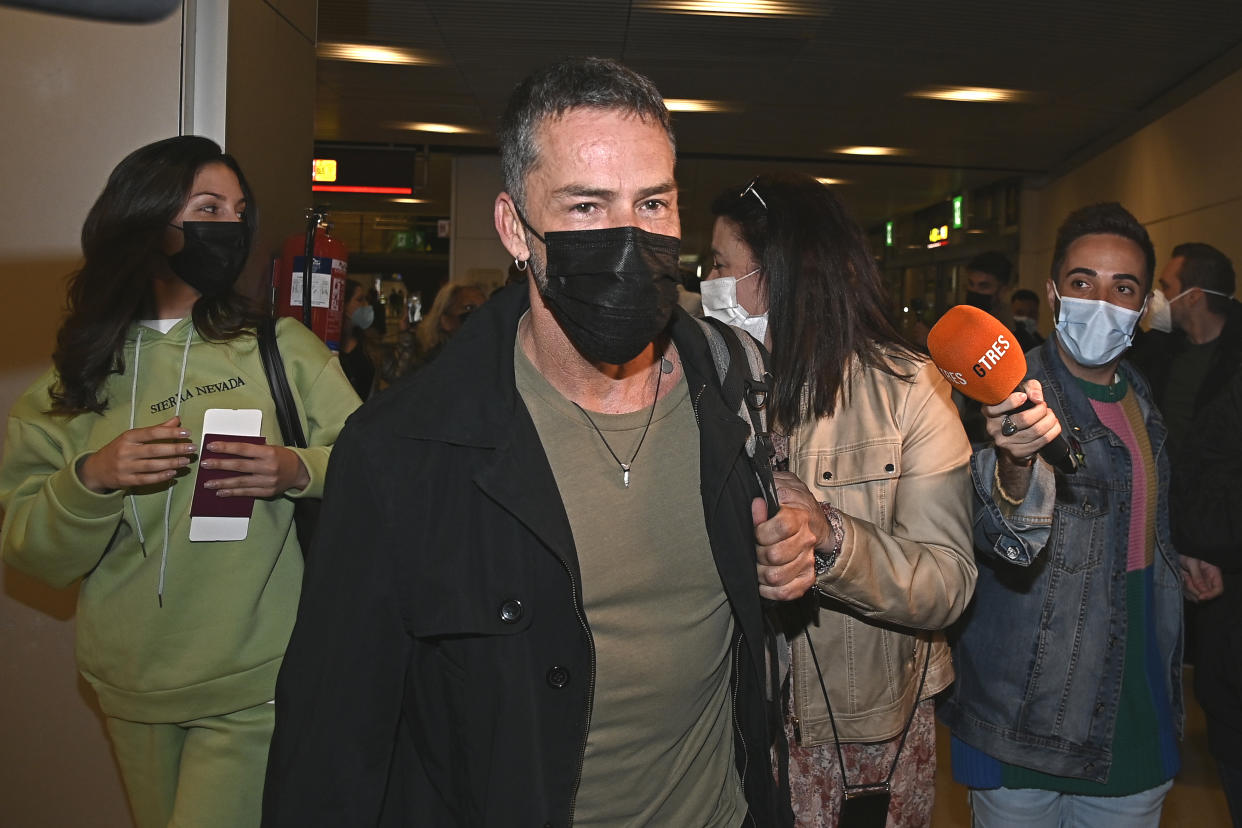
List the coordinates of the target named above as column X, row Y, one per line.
column 872, row 433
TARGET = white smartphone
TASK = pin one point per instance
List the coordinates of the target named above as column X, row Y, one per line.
column 215, row 518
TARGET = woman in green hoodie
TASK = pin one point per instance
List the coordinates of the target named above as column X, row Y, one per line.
column 181, row 640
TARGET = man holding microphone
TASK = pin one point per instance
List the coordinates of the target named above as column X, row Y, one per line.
column 1068, row 703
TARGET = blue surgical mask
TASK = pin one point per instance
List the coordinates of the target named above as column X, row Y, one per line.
column 1093, row 331
column 362, row 317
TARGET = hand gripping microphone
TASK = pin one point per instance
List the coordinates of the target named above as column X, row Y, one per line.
column 980, row 357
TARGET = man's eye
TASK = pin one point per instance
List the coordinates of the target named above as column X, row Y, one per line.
column 585, row 208
column 654, row 205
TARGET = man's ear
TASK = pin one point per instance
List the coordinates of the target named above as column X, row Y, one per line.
column 509, row 228
column 1051, row 290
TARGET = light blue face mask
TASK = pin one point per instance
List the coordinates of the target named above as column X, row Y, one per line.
column 363, row 317
column 1093, row 331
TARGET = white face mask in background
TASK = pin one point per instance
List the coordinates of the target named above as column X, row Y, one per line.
column 1093, row 331
column 720, row 302
column 1159, row 315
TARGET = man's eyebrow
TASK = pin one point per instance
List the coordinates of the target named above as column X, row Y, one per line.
column 1086, row 271
column 1128, row 277
column 582, row 191
column 656, row 189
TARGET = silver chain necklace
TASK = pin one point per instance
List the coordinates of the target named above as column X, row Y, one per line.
column 625, row 467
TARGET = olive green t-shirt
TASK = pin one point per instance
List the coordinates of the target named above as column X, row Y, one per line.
column 660, row 743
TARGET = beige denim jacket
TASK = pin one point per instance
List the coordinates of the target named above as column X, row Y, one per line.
column 893, row 459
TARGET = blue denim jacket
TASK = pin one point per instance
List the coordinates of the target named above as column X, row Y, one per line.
column 1041, row 650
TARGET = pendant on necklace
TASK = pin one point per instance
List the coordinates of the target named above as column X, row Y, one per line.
column 625, row 474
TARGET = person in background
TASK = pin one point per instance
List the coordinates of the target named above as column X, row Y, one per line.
column 1193, row 346
column 1067, row 707
column 987, row 280
column 565, row 628
column 356, row 316
column 1208, row 502
column 1025, row 306
column 416, row 347
column 871, row 430
column 181, row 641
column 1191, row 355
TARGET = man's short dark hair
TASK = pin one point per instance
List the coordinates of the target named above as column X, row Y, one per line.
column 1024, row 295
column 1206, row 267
column 1110, row 219
column 592, row 83
column 994, row 263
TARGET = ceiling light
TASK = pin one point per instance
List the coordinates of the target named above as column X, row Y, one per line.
column 446, row 129
column 828, row 182
column 366, row 53
column 690, row 105
column 736, row 8
column 869, row 151
column 410, row 200
column 970, row 94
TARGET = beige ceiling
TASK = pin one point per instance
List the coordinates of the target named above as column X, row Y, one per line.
column 838, row 74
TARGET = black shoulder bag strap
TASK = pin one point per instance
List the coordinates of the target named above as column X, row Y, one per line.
column 305, row 510
column 274, row 367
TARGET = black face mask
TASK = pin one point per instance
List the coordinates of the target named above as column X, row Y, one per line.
column 982, row 301
column 612, row 290
column 213, row 255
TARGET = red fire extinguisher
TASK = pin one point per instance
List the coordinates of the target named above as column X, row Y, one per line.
column 316, row 302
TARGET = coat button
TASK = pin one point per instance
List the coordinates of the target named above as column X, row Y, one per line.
column 827, row 475
column 558, row 677
column 889, row 468
column 1011, row 553
column 511, row 611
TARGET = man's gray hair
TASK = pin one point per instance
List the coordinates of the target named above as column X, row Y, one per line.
column 592, row 83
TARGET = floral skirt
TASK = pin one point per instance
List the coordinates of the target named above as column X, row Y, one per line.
column 815, row 774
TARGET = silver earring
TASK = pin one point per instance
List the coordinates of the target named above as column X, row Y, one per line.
column 521, row 264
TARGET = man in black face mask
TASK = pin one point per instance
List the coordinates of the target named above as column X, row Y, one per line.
column 987, row 284
column 566, row 627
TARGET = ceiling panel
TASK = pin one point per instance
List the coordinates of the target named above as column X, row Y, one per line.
column 800, row 86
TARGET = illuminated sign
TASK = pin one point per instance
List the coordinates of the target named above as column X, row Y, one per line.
column 888, row 234
column 938, row 236
column 323, row 169
column 366, row 170
column 957, row 213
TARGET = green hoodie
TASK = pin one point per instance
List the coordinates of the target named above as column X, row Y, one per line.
column 217, row 642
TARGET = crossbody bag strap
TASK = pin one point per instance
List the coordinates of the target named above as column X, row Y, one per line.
column 274, row 367
column 845, row 785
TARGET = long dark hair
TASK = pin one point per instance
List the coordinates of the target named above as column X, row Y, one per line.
column 825, row 298
column 122, row 241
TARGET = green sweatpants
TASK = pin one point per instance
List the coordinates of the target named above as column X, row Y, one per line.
column 198, row 774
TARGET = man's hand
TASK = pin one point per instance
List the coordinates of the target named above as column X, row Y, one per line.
column 1019, row 436
column 785, row 543
column 1201, row 581
column 1023, row 434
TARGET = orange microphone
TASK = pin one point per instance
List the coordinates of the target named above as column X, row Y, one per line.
column 980, row 357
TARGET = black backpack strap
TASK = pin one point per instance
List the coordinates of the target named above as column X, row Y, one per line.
column 274, row 366
column 746, row 391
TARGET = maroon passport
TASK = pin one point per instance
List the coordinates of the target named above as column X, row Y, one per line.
column 206, row 503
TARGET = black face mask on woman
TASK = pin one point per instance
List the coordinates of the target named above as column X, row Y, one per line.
column 612, row 290
column 213, row 255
